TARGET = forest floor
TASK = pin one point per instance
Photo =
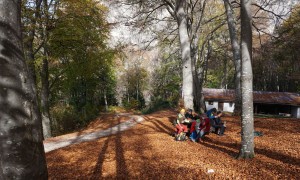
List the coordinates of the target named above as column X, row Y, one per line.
column 148, row 151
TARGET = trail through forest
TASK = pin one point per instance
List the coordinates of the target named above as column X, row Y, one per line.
column 148, row 151
column 89, row 134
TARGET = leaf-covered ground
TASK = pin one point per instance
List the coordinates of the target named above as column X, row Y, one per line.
column 148, row 151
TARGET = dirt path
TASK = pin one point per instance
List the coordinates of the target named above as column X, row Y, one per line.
column 50, row 145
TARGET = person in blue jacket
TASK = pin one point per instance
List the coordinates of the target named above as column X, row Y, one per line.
column 212, row 113
column 215, row 119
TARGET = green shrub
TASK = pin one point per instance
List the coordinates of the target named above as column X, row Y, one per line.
column 157, row 105
column 132, row 104
column 66, row 119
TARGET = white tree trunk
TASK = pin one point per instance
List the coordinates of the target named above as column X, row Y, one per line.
column 105, row 101
column 187, row 77
column 247, row 135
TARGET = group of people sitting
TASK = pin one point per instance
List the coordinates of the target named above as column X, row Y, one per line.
column 197, row 126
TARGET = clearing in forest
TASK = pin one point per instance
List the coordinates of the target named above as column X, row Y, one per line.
column 148, row 151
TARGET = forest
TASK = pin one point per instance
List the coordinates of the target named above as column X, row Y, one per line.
column 64, row 63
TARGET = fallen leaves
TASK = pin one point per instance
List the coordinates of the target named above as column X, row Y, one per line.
column 148, row 151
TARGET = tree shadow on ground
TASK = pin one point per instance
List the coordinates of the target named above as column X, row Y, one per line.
column 278, row 156
column 220, row 146
column 281, row 170
column 122, row 170
column 145, row 165
column 225, row 147
column 97, row 172
column 159, row 126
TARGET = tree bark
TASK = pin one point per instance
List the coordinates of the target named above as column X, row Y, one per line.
column 197, row 64
column 247, row 135
column 46, row 118
column 202, row 70
column 45, row 99
column 105, row 100
column 236, row 56
column 225, row 74
column 29, row 47
column 185, row 45
column 196, row 80
column 22, row 153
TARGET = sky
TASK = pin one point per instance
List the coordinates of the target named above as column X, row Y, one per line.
column 123, row 33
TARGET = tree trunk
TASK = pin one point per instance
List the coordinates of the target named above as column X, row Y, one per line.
column 187, row 77
column 30, row 63
column 225, row 74
column 236, row 56
column 196, row 80
column 197, row 91
column 199, row 79
column 247, row 135
column 29, row 49
column 22, row 153
column 202, row 71
column 105, row 101
column 46, row 119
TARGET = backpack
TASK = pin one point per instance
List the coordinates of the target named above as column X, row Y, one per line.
column 180, row 137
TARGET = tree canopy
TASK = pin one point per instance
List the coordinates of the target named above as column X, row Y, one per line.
column 71, row 71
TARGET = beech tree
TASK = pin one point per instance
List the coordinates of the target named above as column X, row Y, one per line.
column 48, row 10
column 185, row 46
column 37, row 19
column 22, row 153
column 30, row 17
column 247, row 133
column 236, row 55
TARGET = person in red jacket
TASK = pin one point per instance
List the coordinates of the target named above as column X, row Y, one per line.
column 204, row 127
column 194, row 130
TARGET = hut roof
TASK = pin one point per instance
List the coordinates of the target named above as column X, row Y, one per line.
column 265, row 97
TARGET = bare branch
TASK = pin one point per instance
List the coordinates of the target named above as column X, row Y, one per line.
column 171, row 12
column 262, row 31
column 149, row 43
column 213, row 18
column 39, row 47
column 209, row 36
column 170, row 4
column 200, row 20
column 266, row 10
column 150, row 12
